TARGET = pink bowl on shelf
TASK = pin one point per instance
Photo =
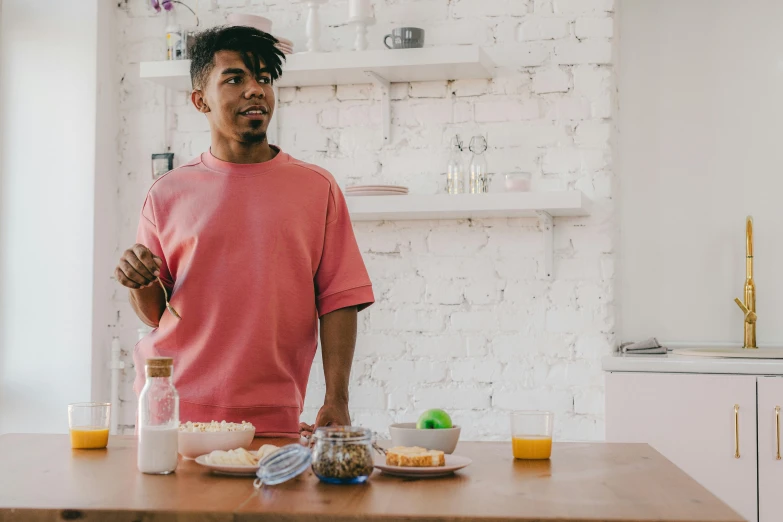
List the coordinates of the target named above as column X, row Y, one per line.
column 258, row 22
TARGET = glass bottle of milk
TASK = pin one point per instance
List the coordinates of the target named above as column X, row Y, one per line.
column 158, row 422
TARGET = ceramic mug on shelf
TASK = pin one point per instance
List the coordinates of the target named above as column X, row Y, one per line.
column 405, row 38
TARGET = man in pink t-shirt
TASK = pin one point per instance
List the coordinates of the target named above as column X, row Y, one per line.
column 253, row 246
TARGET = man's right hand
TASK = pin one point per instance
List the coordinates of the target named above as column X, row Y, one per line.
column 138, row 267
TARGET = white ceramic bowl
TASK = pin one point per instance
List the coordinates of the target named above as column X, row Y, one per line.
column 193, row 444
column 406, row 434
column 258, row 22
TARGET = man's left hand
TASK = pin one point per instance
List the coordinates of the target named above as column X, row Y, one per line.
column 334, row 413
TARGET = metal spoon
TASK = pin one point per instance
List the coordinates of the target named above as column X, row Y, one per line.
column 166, row 296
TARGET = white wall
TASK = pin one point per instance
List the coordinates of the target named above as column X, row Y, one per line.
column 701, row 106
column 47, row 169
column 462, row 320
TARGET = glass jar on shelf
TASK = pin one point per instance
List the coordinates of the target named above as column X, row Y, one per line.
column 479, row 179
column 455, row 170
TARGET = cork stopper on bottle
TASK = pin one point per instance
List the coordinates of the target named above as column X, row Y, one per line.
column 159, row 366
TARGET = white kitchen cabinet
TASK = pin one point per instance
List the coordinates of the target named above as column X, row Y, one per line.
column 690, row 419
column 770, row 397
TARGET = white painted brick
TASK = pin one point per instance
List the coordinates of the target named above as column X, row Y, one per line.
column 439, row 347
column 191, row 120
column 561, row 160
column 481, row 8
column 286, row 94
column 524, row 54
column 594, row 27
column 586, row 52
column 543, row 28
column 444, row 292
column 452, row 398
column 399, row 91
column 379, row 345
column 433, row 112
column 329, row 118
column 419, row 320
column 359, row 115
column 393, row 370
column 568, row 108
column 354, row 92
column 463, row 112
column 475, row 370
column 593, row 134
column 408, row 289
column 474, row 320
column 400, row 398
column 507, row 110
column 543, row 7
column 473, row 31
column 480, row 291
column 554, row 79
column 428, row 89
column 580, row 7
column 563, row 293
column 552, row 400
column 315, row 94
column 568, row 320
column 526, row 134
column 459, row 241
column 589, row 401
column 592, row 346
column 517, row 268
column 367, row 396
column 377, row 421
column 477, row 345
column 471, row 87
column 315, row 396
column 412, row 13
column 525, row 291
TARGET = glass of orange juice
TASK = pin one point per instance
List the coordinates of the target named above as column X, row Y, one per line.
column 89, row 424
column 531, row 434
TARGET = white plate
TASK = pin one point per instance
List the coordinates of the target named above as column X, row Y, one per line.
column 375, row 187
column 237, row 471
column 375, row 193
column 453, row 463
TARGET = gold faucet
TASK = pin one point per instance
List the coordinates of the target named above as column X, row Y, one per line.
column 749, row 306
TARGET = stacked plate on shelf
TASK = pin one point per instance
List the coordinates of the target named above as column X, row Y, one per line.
column 285, row 45
column 376, row 190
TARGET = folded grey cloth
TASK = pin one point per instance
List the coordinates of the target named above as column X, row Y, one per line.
column 648, row 346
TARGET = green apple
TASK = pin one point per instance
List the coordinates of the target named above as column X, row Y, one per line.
column 434, row 420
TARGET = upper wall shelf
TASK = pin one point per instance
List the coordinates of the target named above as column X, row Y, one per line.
column 350, row 67
column 454, row 62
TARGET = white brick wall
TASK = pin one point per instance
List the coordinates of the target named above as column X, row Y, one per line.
column 462, row 321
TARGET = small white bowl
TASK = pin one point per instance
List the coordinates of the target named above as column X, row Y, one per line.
column 193, row 444
column 406, row 434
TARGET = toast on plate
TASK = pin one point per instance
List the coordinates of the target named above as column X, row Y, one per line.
column 414, row 457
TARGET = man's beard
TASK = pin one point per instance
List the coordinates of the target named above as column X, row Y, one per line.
column 254, row 136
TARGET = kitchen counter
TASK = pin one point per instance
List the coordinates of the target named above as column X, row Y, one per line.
column 43, row 479
column 671, row 363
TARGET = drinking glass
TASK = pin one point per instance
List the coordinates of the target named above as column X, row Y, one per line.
column 89, row 424
column 531, row 434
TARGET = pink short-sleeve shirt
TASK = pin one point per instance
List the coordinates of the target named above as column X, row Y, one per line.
column 253, row 254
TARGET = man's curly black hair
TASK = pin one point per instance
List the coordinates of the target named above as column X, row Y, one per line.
column 253, row 46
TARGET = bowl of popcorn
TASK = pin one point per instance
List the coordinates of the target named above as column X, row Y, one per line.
column 200, row 438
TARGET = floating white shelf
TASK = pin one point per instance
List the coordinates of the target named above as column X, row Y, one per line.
column 543, row 205
column 454, row 62
column 463, row 206
column 350, row 67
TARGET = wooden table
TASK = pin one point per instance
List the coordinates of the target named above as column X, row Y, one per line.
column 42, row 479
